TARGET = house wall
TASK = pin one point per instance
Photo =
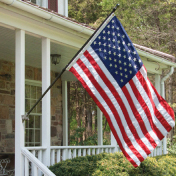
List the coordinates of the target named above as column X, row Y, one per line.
column 7, row 106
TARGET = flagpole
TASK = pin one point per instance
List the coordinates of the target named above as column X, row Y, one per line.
column 26, row 116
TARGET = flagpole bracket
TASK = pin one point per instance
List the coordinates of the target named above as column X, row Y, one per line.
column 25, row 117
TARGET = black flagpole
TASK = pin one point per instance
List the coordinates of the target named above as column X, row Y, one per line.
column 26, row 116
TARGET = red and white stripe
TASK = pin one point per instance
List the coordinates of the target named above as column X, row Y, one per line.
column 135, row 113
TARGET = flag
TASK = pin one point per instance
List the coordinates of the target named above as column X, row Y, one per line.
column 112, row 72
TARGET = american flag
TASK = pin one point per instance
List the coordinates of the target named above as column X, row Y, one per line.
column 112, row 72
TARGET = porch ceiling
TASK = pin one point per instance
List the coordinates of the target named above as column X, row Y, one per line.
column 32, row 49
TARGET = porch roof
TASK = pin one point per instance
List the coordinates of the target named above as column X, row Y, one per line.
column 67, row 36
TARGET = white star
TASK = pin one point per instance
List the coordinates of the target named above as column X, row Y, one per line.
column 108, row 32
column 129, row 44
column 112, row 27
column 134, row 52
column 129, row 51
column 108, row 26
column 125, row 70
column 129, row 65
column 114, row 47
column 126, row 76
column 129, row 58
column 112, row 21
column 135, row 66
column 121, row 74
column 113, row 40
column 117, row 28
column 130, row 72
column 104, row 50
column 104, row 38
column 99, row 43
column 105, row 57
column 104, row 44
column 109, row 45
column 99, row 37
column 115, row 66
column 110, row 65
column 113, row 33
column 140, row 60
column 124, row 56
column 118, row 41
column 120, row 62
column 114, row 53
column 121, row 80
column 123, row 36
column 134, row 59
column 124, row 50
column 110, row 58
column 124, row 63
column 109, row 52
column 118, row 48
column 115, row 60
column 123, row 43
column 99, row 49
column 120, row 68
column 104, row 32
column 118, row 34
column 119, row 55
column 109, row 39
column 95, row 42
column 116, row 72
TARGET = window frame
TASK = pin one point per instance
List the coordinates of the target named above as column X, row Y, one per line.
column 37, row 84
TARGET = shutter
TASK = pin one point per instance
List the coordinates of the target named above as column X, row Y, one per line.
column 53, row 5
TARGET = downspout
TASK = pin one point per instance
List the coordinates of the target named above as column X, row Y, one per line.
column 163, row 95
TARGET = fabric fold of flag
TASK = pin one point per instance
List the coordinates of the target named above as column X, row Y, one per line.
column 113, row 74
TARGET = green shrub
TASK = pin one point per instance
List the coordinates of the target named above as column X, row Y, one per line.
column 108, row 164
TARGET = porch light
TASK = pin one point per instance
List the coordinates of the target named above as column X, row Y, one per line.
column 55, row 58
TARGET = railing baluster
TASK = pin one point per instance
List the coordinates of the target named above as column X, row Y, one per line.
column 64, row 154
column 26, row 167
column 58, row 155
column 93, row 151
column 106, row 150
column 79, row 152
column 84, row 152
column 40, row 159
column 88, row 151
column 52, row 156
column 35, row 171
column 74, row 153
column 97, row 151
column 69, row 154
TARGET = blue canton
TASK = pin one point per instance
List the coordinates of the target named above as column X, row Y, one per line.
column 117, row 52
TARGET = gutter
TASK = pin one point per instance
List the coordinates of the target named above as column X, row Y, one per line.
column 22, row 5
column 163, row 95
column 156, row 58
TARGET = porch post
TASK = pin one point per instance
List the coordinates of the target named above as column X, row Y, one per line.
column 19, row 99
column 46, row 115
column 100, row 124
column 65, row 113
column 65, row 118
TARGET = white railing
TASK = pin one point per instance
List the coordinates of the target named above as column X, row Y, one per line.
column 38, row 168
column 61, row 153
column 157, row 151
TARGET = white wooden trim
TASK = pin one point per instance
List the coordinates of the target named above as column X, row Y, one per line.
column 46, row 104
column 19, row 99
column 100, row 124
column 65, row 113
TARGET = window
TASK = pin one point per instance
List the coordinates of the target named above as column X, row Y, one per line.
column 53, row 5
column 33, row 92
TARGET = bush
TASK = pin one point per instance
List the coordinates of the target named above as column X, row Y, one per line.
column 108, row 164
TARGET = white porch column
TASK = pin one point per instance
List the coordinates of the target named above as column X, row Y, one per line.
column 113, row 142
column 46, row 105
column 157, row 83
column 65, row 113
column 19, row 99
column 100, row 128
column 65, row 118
